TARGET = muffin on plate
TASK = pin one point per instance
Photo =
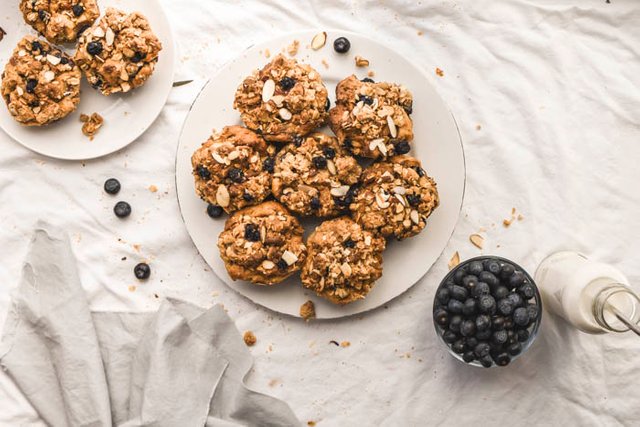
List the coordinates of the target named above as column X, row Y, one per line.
column 283, row 101
column 262, row 244
column 232, row 169
column 343, row 261
column 372, row 119
column 315, row 176
column 60, row 21
column 395, row 198
column 40, row 83
column 119, row 52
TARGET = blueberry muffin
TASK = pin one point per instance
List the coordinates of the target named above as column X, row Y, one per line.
column 233, row 168
column 262, row 244
column 119, row 52
column 282, row 101
column 60, row 21
column 40, row 84
column 396, row 198
column 372, row 119
column 343, row 261
column 315, row 176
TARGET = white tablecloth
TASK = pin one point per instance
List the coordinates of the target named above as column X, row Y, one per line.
column 547, row 98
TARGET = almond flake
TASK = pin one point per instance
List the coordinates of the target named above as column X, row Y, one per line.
column 399, row 207
column 399, row 190
column 20, row 91
column 263, row 233
column 454, row 261
column 267, row 265
column 289, row 257
column 268, row 90
column 98, row 32
column 233, row 155
column 109, row 36
column 477, row 240
column 49, row 76
column 331, row 166
column 367, row 240
column 22, row 52
column 218, row 158
column 415, row 217
column 400, row 199
column 392, row 127
column 346, row 269
column 383, row 148
column 222, row 196
column 340, row 191
column 319, row 41
column 53, row 60
column 406, row 223
column 382, row 204
column 278, row 100
column 285, row 114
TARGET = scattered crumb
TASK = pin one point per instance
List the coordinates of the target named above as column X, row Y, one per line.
column 345, row 344
column 267, row 53
column 361, row 62
column 325, row 63
column 153, row 188
column 420, row 33
column 132, row 288
column 124, row 258
column 520, row 217
column 478, row 127
column 92, row 124
column 136, row 247
column 249, row 338
column 506, row 222
column 334, row 342
column 156, row 295
column 2, row 33
column 311, row 423
column 215, row 293
column 509, row 221
column 477, row 240
column 454, row 261
column 439, row 72
column 292, row 49
column 371, row 73
column 308, row 310
column 274, row 382
column 513, row 211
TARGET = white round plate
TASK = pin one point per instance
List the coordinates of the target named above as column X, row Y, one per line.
column 126, row 116
column 437, row 143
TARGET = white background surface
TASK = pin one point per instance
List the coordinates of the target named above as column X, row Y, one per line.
column 554, row 87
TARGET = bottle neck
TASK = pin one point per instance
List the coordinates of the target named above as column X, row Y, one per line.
column 616, row 300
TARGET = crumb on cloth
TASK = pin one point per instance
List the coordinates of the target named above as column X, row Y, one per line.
column 91, row 124
column 249, row 338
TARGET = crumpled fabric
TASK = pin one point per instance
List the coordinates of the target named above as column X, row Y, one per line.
column 545, row 94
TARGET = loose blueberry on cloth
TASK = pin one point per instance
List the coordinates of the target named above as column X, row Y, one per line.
column 181, row 366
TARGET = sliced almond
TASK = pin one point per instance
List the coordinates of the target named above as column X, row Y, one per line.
column 383, row 148
column 340, row 191
column 109, row 37
column 20, row 91
column 98, row 32
column 392, row 127
column 382, row 204
column 307, row 189
column 454, row 261
column 401, row 199
column 346, row 269
column 218, row 158
column 367, row 240
column 222, row 196
column 399, row 207
column 278, row 100
column 49, row 76
column 285, row 114
column 22, row 52
column 263, row 233
column 268, row 90
column 53, row 60
column 406, row 223
column 267, row 265
column 289, row 257
column 477, row 240
column 399, row 190
column 319, row 40
column 331, row 166
column 415, row 217
column 248, row 245
column 233, row 155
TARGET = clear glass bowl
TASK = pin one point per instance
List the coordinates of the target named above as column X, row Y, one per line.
column 533, row 328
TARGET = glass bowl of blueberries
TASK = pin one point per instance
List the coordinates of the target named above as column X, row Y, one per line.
column 487, row 311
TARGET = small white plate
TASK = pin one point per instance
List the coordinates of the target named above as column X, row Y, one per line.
column 126, row 116
column 437, row 143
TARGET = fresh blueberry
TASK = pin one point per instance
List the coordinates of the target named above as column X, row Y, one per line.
column 506, row 271
column 42, row 15
column 533, row 311
column 64, row 60
column 480, row 289
column 443, row 295
column 329, row 152
column 251, row 233
column 365, row 99
column 454, row 306
column 459, row 293
column 315, row 203
column 82, row 28
column 94, row 48
column 112, row 186
column 137, row 57
column 35, row 103
column 441, row 317
column 511, row 337
column 516, row 280
column 287, row 84
column 486, row 361
column 367, row 80
column 499, row 337
column 214, row 211
column 470, row 307
column 505, row 306
column 521, row 316
column 97, row 83
column 458, row 347
column 349, row 243
column 408, row 109
column 493, row 267
column 203, row 172
column 122, row 209
column 282, row 264
column 402, row 147
column 413, row 199
column 320, row 162
column 483, row 322
column 348, row 144
column 468, row 356
column 482, row 349
column 514, row 349
column 468, row 328
column 489, row 279
column 142, row 271
column 523, row 335
column 236, row 175
column 502, row 359
column 31, row 85
column 248, row 197
column 472, row 342
column 497, row 323
column 297, row 140
column 487, row 304
column 527, row 291
column 516, row 299
column 483, row 335
column 475, row 268
column 341, row 45
column 420, row 171
column 455, row 323
column 458, row 276
column 268, row 164
column 449, row 337
column 500, row 292
column 77, row 9
column 469, row 279
column 36, row 46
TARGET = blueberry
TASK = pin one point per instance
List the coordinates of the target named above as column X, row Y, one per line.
column 443, row 295
column 508, row 323
column 523, row 335
column 454, row 306
column 42, row 15
column 112, row 186
column 458, row 347
column 468, row 356
column 142, row 271
column 408, row 109
column 268, row 164
column 341, row 45
column 493, row 267
column 455, row 323
column 468, row 328
column 489, row 278
column 214, row 211
column 297, row 140
column 413, row 199
column 441, row 317
column 77, row 10
column 505, row 306
column 514, row 349
column 502, row 359
column 533, row 311
column 472, row 342
column 527, row 291
column 511, row 337
column 500, row 292
column 64, row 60
column 365, row 99
column 203, row 172
column 348, row 144
column 516, row 299
column 31, row 85
column 483, row 322
column 458, row 276
column 137, row 57
column 449, row 337
column 469, row 279
column 287, row 84
column 486, row 361
column 282, row 264
column 470, row 307
column 506, row 271
column 487, row 304
column 122, row 209
column 349, row 243
column 499, row 337
column 483, row 335
column 35, row 103
column 248, row 197
column 402, row 147
column 82, row 28
column 327, row 105
column 516, row 280
column 459, row 293
column 482, row 349
column 315, row 203
column 236, row 175
column 497, row 323
column 251, row 233
column 97, row 83
column 329, row 152
column 94, row 48
column 367, row 80
column 420, row 171
column 320, row 162
column 480, row 289
column 521, row 316
column 36, row 45
column 475, row 268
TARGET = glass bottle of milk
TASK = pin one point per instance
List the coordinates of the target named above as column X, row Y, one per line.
column 594, row 297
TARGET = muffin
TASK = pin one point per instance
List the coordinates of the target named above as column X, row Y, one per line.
column 60, row 21
column 232, row 169
column 283, row 101
column 315, row 177
column 343, row 261
column 372, row 119
column 395, row 198
column 262, row 244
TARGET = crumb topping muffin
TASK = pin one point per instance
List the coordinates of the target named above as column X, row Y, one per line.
column 283, row 100
column 60, row 21
column 40, row 83
column 315, row 177
column 396, row 198
column 372, row 119
column 119, row 52
column 232, row 169
column 343, row 261
column 262, row 244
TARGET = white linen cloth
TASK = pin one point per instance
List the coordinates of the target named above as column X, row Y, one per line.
column 546, row 94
